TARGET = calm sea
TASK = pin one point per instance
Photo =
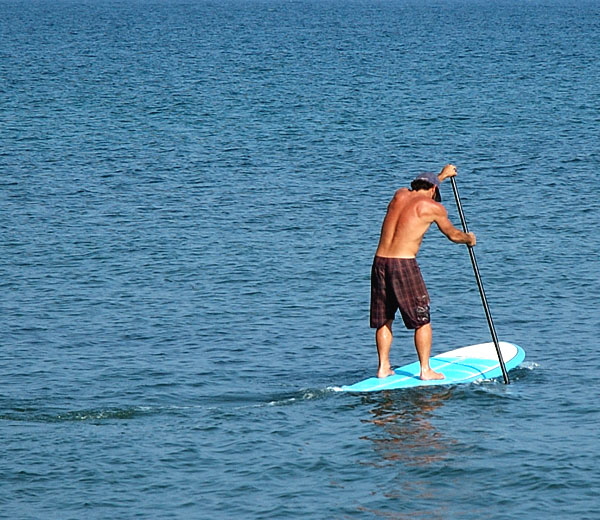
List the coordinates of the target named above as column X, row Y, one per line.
column 190, row 197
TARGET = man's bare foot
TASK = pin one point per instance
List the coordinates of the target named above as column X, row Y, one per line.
column 381, row 373
column 429, row 375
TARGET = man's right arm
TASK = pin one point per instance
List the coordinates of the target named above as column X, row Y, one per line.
column 455, row 235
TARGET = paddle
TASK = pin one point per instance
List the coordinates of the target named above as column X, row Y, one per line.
column 480, row 284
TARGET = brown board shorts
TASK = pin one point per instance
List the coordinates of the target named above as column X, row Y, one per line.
column 396, row 283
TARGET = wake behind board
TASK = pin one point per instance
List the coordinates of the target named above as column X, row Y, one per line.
column 462, row 365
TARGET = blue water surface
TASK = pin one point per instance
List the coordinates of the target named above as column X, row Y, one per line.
column 191, row 197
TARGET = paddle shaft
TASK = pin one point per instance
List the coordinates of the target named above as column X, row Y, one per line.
column 488, row 314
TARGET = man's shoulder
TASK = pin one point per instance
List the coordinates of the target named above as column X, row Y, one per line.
column 431, row 209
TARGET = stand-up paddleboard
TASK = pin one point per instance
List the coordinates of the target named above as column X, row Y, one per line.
column 462, row 365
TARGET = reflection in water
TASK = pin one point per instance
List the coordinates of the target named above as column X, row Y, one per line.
column 405, row 437
column 406, row 433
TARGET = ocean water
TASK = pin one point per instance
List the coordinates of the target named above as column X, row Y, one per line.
column 191, row 193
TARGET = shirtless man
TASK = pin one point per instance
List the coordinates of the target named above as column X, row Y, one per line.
column 396, row 281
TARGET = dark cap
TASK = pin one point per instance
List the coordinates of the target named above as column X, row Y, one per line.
column 432, row 179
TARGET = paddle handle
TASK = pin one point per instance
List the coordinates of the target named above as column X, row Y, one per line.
column 486, row 307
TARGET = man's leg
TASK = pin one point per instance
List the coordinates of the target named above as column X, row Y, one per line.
column 423, row 339
column 383, row 338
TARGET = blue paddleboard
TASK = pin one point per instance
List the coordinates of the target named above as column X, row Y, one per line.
column 462, row 365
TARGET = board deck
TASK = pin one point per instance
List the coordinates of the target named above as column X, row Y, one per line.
column 462, row 365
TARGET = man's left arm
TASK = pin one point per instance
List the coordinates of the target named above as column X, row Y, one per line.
column 447, row 171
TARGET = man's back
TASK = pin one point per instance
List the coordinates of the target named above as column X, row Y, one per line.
column 409, row 215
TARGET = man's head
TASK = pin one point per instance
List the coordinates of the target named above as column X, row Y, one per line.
column 426, row 181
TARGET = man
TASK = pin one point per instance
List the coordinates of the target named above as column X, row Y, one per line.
column 396, row 281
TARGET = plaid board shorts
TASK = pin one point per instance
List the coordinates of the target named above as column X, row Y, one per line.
column 396, row 283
